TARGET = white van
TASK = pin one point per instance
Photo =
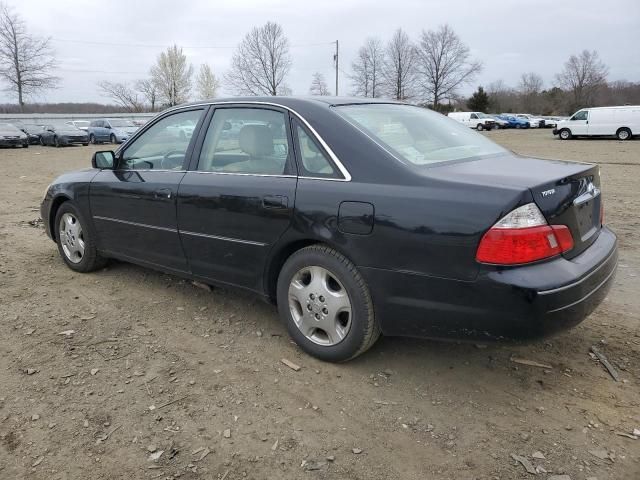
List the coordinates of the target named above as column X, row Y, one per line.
column 478, row 120
column 621, row 122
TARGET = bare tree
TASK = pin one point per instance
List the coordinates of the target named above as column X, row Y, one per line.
column 530, row 89
column 149, row 90
column 261, row 62
column 26, row 61
column 366, row 78
column 319, row 85
column 122, row 94
column 172, row 76
column 399, row 71
column 207, row 83
column 444, row 64
column 583, row 75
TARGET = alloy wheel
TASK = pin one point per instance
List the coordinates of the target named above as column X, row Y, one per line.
column 320, row 305
column 71, row 238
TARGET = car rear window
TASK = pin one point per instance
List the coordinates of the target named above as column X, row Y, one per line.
column 418, row 136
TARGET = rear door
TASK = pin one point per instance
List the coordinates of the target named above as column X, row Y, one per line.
column 134, row 206
column 238, row 200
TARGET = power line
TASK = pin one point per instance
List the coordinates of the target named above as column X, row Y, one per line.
column 193, row 47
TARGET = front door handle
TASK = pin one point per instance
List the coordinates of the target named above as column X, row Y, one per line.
column 162, row 194
column 275, row 201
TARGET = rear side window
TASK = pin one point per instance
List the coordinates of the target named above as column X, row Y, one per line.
column 314, row 160
column 246, row 141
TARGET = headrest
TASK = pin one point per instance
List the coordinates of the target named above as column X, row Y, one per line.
column 256, row 140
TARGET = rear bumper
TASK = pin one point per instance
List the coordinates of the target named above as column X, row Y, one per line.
column 509, row 303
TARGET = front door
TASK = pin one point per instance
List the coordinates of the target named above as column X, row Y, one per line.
column 239, row 199
column 579, row 123
column 134, row 205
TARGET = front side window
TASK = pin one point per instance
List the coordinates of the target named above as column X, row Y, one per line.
column 162, row 146
column 246, row 140
column 581, row 115
column 474, row 116
column 315, row 162
column 418, row 136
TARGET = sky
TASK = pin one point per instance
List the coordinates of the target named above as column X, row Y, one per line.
column 119, row 40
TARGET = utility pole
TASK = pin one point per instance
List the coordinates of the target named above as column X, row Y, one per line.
column 335, row 58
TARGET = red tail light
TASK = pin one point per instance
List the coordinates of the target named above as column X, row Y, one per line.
column 523, row 236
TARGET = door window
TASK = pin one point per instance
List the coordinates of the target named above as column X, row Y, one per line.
column 581, row 115
column 246, row 140
column 163, row 146
column 474, row 116
column 315, row 162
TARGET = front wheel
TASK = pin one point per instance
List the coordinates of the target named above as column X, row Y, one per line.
column 326, row 305
column 113, row 138
column 565, row 134
column 480, row 127
column 76, row 243
column 92, row 139
column 56, row 142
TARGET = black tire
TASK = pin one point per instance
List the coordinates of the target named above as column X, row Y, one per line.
column 85, row 144
column 26, row 145
column 364, row 329
column 56, row 142
column 565, row 134
column 92, row 139
column 113, row 138
column 42, row 141
column 480, row 127
column 91, row 260
column 623, row 134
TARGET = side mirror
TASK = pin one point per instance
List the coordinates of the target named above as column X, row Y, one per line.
column 104, row 160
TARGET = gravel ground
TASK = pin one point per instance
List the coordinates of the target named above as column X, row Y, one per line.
column 162, row 379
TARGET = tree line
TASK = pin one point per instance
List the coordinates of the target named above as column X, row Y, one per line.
column 430, row 70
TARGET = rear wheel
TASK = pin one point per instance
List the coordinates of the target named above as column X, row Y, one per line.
column 326, row 305
column 623, row 134
column 565, row 134
column 76, row 243
column 41, row 141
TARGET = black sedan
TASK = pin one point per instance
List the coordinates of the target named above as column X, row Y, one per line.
column 355, row 217
column 12, row 136
column 33, row 133
column 63, row 134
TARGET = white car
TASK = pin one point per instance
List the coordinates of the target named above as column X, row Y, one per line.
column 534, row 121
column 81, row 124
column 478, row 120
column 621, row 122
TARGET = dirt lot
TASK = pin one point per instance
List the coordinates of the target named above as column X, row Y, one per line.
column 157, row 367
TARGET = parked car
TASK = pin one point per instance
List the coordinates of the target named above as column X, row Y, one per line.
column 551, row 122
column 534, row 122
column 81, row 124
column 477, row 120
column 114, row 130
column 12, row 136
column 515, row 122
column 353, row 216
column 32, row 131
column 621, row 122
column 62, row 134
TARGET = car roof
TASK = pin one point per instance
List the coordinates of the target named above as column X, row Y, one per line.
column 295, row 101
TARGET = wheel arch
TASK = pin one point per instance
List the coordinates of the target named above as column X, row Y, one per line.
column 278, row 258
column 56, row 203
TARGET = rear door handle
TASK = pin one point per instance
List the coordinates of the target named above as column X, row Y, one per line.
column 275, row 201
column 162, row 194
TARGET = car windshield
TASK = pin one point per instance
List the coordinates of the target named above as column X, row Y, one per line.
column 418, row 136
column 81, row 123
column 483, row 115
column 121, row 123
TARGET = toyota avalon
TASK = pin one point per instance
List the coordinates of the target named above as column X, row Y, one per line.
column 355, row 217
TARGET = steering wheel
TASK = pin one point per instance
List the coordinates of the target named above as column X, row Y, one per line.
column 167, row 163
